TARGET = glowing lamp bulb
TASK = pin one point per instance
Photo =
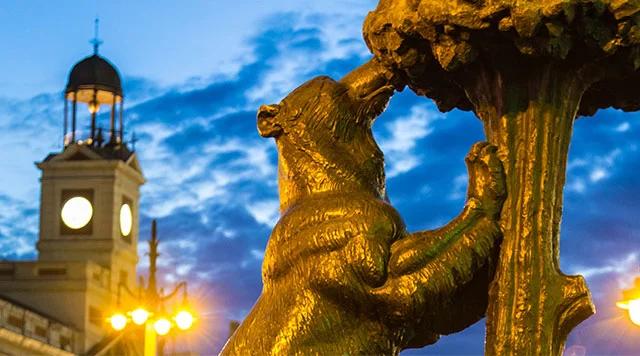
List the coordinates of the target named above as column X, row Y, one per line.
column 634, row 311
column 184, row 320
column 162, row 326
column 118, row 321
column 94, row 107
column 139, row 316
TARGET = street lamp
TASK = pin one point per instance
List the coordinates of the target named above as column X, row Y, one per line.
column 150, row 308
column 631, row 302
column 118, row 321
column 184, row 319
column 140, row 315
column 162, row 326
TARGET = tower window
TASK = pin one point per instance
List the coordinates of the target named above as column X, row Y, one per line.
column 52, row 271
column 124, row 277
column 65, row 343
column 40, row 332
column 16, row 322
column 95, row 316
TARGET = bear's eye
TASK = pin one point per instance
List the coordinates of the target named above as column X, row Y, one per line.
column 268, row 111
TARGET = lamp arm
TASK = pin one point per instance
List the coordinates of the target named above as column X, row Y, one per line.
column 182, row 284
column 126, row 288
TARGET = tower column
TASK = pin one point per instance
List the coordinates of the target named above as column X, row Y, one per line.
column 66, row 123
column 73, row 120
column 121, row 121
column 94, row 110
column 112, row 129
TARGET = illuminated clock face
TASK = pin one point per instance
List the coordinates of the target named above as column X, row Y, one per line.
column 77, row 212
column 126, row 219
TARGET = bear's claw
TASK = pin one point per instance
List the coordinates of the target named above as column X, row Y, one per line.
column 486, row 178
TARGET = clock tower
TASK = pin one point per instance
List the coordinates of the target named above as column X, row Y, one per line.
column 87, row 244
column 90, row 190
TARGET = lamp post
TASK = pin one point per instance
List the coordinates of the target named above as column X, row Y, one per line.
column 149, row 311
column 631, row 302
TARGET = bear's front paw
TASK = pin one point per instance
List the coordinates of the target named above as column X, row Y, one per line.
column 486, row 178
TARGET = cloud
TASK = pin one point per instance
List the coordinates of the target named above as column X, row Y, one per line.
column 459, row 187
column 591, row 169
column 29, row 130
column 623, row 127
column 265, row 212
column 624, row 266
column 310, row 44
column 18, row 229
column 401, row 136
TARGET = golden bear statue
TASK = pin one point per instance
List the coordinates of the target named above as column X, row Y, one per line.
column 341, row 273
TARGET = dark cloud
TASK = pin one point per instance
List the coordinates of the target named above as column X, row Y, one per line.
column 18, row 229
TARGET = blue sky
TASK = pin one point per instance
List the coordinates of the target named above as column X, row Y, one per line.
column 194, row 76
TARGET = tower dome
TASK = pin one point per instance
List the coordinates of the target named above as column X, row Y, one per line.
column 94, row 74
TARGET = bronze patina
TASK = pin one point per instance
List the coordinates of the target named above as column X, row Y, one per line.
column 341, row 273
column 527, row 69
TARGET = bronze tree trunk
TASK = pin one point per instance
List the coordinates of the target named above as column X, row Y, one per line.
column 533, row 306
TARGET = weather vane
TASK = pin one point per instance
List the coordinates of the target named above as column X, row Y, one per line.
column 96, row 42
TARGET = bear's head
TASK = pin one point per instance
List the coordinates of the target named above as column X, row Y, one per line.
column 323, row 134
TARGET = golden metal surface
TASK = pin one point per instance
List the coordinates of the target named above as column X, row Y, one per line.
column 527, row 69
column 341, row 273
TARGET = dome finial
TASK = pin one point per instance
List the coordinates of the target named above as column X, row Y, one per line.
column 96, row 42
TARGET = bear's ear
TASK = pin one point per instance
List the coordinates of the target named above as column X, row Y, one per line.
column 267, row 123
